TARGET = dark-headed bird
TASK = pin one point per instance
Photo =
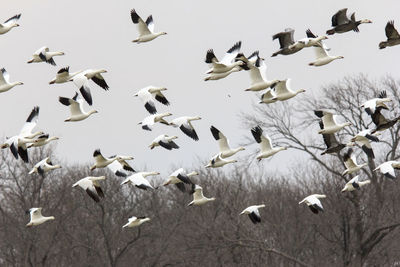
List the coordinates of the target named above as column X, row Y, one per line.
column 341, row 23
column 393, row 37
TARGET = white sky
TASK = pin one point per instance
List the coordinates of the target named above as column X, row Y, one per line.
column 98, row 34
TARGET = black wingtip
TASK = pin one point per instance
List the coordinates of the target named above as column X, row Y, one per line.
column 134, row 16
column 96, row 152
column 150, row 108
column 215, row 132
column 236, row 46
column 257, row 132
column 209, row 56
column 86, row 95
column 319, row 113
column 64, row 100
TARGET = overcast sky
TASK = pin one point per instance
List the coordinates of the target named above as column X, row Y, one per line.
column 98, row 34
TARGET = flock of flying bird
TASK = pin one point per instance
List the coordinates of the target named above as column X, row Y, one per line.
column 233, row 61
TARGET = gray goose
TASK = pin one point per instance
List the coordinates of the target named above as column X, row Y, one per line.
column 285, row 40
column 341, row 23
column 393, row 36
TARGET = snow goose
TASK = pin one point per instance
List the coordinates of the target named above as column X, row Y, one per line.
column 92, row 187
column 5, row 83
column 381, row 122
column 253, row 213
column 37, row 217
column 44, row 166
column 152, row 119
column 227, row 63
column 18, row 143
column 329, row 123
column 313, row 202
column 139, row 180
column 146, row 29
column 42, row 140
column 101, row 161
column 185, row 124
column 135, row 221
column 387, row 168
column 393, row 37
column 268, row 97
column 120, row 168
column 258, row 76
column 218, row 76
column 341, row 23
column 323, row 57
column 350, row 162
column 282, row 90
column 285, row 40
column 63, row 76
column 267, row 150
column 76, row 108
column 81, row 80
column 310, row 40
column 198, row 197
column 179, row 178
column 217, row 161
column 371, row 105
column 364, row 137
column 146, row 95
column 224, row 149
column 44, row 55
column 332, row 145
column 7, row 25
column 164, row 141
column 354, row 184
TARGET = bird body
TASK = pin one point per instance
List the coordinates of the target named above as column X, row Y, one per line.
column 350, row 162
column 228, row 62
column 185, row 124
column 387, row 168
column 354, row 184
column 267, row 149
column 282, row 91
column 44, row 166
column 5, row 83
column 81, row 81
column 76, row 108
column 139, row 180
column 179, row 178
column 9, row 24
column 37, row 217
column 146, row 29
column 364, row 138
column 341, row 23
column 286, row 39
column 323, row 57
column 258, row 77
column 393, row 36
column 101, row 161
column 92, row 187
column 63, row 76
column 224, row 148
column 313, row 202
column 217, row 161
column 330, row 125
column 149, row 121
column 136, row 221
column 253, row 213
column 147, row 96
column 164, row 141
column 44, row 55
column 198, row 197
